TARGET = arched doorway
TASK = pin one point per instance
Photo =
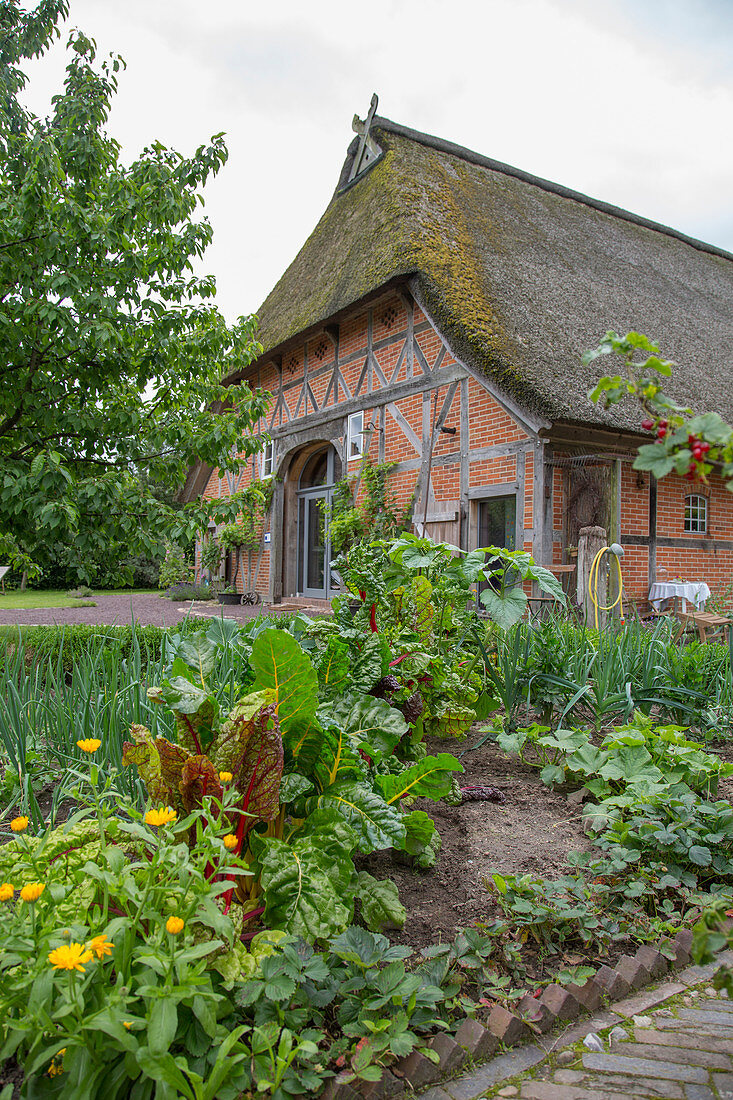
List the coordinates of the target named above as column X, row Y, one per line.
column 319, row 473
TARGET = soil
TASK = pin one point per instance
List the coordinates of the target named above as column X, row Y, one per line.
column 532, row 832
column 12, row 1074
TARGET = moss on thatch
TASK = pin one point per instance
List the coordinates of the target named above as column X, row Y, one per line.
column 520, row 275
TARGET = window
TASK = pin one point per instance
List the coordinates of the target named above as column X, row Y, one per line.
column 355, row 436
column 267, row 460
column 696, row 513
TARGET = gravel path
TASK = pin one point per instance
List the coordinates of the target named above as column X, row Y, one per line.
column 119, row 608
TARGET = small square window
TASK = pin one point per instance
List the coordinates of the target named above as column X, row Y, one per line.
column 355, row 436
column 267, row 460
column 696, row 513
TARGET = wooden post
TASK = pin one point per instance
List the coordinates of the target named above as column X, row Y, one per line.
column 590, row 541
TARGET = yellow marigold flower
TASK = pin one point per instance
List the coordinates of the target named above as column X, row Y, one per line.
column 19, row 824
column 7, row 891
column 32, row 891
column 57, row 1067
column 101, row 946
column 161, row 816
column 89, row 744
column 70, row 957
column 174, row 925
column 225, row 777
column 127, row 1024
column 230, row 841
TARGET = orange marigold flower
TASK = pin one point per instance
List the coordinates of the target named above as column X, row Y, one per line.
column 32, row 891
column 101, row 946
column 70, row 956
column 127, row 1024
column 174, row 925
column 19, row 824
column 89, row 744
column 7, row 891
column 161, row 816
column 225, row 777
column 230, row 841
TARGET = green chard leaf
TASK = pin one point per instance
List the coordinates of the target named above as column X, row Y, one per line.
column 375, row 726
column 376, row 824
column 381, row 907
column 281, row 665
column 428, row 778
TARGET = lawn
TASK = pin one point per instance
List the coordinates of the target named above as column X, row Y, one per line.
column 51, row 597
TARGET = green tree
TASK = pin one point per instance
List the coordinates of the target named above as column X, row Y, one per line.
column 111, row 349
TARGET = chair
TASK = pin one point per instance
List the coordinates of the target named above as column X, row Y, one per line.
column 709, row 627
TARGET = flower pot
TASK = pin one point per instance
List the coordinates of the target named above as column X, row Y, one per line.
column 230, row 597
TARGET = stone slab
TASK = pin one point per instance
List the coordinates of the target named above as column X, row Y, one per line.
column 641, row 1002
column 472, row 1085
column 703, row 1016
column 696, row 1040
column 546, row 1090
column 724, row 1084
column 694, row 975
column 577, row 1032
column 718, row 1004
column 699, row 1092
column 655, row 1088
column 645, row 1067
column 435, row 1093
column 685, row 1055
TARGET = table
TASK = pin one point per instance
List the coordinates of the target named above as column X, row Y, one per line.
column 694, row 591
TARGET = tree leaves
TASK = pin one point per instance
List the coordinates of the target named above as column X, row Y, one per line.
column 114, row 346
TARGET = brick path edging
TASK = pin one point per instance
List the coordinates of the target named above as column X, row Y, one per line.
column 475, row 1043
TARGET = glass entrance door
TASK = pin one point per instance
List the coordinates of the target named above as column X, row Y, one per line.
column 315, row 492
column 315, row 544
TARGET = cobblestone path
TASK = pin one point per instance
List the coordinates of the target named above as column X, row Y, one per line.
column 673, row 1042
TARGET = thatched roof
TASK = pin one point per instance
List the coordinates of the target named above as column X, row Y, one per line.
column 520, row 274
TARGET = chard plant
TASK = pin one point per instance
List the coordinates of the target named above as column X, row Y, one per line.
column 308, row 757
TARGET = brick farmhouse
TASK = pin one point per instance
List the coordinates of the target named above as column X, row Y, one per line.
column 436, row 319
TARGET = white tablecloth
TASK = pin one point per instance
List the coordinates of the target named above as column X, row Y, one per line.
column 694, row 591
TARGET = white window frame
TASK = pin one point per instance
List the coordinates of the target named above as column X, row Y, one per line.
column 696, row 514
column 267, row 460
column 355, row 436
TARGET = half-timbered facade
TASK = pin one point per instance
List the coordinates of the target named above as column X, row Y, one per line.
column 436, row 319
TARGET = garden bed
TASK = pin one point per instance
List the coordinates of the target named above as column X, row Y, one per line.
column 532, row 831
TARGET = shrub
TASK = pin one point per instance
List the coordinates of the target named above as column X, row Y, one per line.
column 190, row 592
column 176, row 569
column 67, row 643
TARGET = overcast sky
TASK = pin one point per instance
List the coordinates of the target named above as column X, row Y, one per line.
column 630, row 101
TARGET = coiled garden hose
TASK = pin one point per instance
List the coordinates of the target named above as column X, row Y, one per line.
column 617, row 552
